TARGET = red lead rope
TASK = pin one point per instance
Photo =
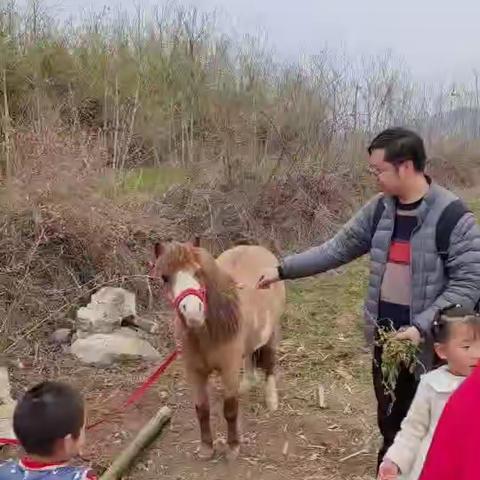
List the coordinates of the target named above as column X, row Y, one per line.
column 132, row 399
column 142, row 389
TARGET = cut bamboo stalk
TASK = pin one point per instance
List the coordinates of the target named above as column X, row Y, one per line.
column 143, row 439
column 117, row 125
column 6, row 127
column 132, row 124
column 105, row 102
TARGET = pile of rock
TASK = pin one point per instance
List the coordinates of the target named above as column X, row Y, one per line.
column 101, row 337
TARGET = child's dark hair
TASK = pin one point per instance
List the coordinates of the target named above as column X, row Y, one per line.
column 47, row 413
column 444, row 318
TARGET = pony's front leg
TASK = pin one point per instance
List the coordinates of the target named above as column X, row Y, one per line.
column 231, row 381
column 202, row 408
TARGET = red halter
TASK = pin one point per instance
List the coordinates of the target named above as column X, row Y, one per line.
column 200, row 293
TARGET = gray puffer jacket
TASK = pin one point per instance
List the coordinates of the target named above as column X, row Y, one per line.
column 435, row 284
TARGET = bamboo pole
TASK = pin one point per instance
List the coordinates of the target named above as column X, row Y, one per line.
column 143, row 439
column 132, row 124
column 117, row 125
column 6, row 127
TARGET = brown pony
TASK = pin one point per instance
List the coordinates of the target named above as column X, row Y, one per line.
column 222, row 322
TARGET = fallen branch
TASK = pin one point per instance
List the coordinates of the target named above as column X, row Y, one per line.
column 321, row 396
column 353, row 455
column 146, row 435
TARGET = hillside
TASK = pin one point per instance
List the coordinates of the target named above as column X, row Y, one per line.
column 118, row 131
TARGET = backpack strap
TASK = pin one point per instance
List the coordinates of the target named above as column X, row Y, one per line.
column 450, row 216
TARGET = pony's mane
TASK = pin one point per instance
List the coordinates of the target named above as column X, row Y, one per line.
column 223, row 310
column 175, row 257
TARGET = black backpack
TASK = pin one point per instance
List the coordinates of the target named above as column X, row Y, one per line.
column 451, row 214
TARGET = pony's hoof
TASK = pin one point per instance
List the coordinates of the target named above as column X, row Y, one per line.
column 205, row 452
column 233, row 453
column 272, row 402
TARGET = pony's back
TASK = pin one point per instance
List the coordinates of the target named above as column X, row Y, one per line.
column 261, row 309
column 244, row 263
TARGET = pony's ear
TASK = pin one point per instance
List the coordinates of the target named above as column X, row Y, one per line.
column 158, row 249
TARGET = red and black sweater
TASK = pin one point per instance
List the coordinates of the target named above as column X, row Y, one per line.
column 395, row 293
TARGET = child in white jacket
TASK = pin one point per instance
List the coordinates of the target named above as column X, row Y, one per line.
column 456, row 333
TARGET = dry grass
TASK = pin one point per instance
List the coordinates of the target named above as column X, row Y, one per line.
column 456, row 162
column 62, row 240
column 395, row 354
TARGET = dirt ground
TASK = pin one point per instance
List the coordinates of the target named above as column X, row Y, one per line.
column 321, row 349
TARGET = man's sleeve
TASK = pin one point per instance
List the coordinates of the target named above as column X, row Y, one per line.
column 352, row 241
column 463, row 270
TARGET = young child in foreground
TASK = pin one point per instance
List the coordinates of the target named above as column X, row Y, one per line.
column 453, row 453
column 49, row 422
column 456, row 333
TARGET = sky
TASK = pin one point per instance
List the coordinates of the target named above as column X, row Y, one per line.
column 436, row 39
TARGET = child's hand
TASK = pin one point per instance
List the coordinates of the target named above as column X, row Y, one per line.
column 388, row 470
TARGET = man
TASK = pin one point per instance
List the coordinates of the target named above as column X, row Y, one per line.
column 410, row 280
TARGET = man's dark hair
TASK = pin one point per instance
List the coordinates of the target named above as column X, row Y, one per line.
column 47, row 413
column 400, row 145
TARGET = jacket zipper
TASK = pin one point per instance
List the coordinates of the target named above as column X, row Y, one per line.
column 384, row 267
column 419, row 224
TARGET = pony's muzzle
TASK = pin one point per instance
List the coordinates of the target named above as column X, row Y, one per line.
column 192, row 309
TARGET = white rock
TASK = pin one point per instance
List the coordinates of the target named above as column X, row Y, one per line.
column 121, row 298
column 7, row 406
column 4, row 385
column 144, row 324
column 97, row 319
column 106, row 310
column 104, row 349
column 128, row 332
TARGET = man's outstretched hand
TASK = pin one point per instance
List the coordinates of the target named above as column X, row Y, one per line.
column 267, row 277
column 410, row 333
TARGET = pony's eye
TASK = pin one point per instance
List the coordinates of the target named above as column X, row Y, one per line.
column 165, row 278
